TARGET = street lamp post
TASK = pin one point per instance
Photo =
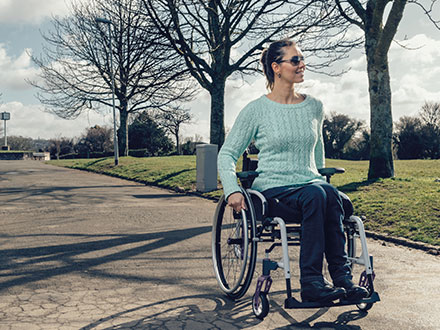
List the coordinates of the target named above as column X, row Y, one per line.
column 115, row 137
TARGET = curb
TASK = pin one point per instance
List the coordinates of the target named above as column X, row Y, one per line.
column 431, row 249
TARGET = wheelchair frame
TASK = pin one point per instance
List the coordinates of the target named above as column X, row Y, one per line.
column 246, row 232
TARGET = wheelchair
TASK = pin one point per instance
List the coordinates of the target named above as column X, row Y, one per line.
column 235, row 238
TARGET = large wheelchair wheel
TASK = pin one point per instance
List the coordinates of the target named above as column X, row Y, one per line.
column 234, row 251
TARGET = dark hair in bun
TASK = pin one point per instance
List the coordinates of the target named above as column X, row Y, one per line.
column 273, row 53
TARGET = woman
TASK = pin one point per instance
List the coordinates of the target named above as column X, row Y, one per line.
column 287, row 129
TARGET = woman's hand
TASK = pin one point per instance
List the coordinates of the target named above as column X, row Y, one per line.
column 236, row 201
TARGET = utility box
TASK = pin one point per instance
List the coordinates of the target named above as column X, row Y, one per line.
column 206, row 165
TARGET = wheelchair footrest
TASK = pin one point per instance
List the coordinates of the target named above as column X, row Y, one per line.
column 292, row 303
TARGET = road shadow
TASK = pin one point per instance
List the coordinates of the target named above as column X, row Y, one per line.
column 59, row 193
column 153, row 196
column 27, row 265
column 213, row 312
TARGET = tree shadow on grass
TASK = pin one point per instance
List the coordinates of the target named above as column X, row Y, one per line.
column 171, row 175
column 354, row 186
column 99, row 160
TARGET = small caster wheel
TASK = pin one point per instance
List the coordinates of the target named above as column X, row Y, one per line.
column 364, row 306
column 260, row 306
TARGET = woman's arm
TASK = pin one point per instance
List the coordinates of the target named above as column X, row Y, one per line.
column 238, row 139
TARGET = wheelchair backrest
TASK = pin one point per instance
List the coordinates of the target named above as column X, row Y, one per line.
column 249, row 164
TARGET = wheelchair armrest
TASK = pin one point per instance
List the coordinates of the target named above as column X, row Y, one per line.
column 247, row 178
column 329, row 171
column 247, row 175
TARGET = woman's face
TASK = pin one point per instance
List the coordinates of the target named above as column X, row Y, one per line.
column 290, row 68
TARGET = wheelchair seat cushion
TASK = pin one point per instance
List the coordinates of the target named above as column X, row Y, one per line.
column 280, row 209
column 275, row 209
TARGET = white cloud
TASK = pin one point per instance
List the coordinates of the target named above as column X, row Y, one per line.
column 421, row 50
column 30, row 11
column 414, row 74
column 15, row 71
column 33, row 121
column 347, row 94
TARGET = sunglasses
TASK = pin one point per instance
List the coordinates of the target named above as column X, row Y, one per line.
column 295, row 60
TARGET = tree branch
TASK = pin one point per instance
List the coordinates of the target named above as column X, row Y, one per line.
column 428, row 11
column 390, row 29
column 348, row 18
column 359, row 9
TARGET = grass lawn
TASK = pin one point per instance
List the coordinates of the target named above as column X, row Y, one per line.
column 405, row 206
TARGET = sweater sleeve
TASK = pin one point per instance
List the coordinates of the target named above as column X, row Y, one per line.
column 240, row 136
column 319, row 148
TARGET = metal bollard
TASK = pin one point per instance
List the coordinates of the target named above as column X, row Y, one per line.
column 206, row 165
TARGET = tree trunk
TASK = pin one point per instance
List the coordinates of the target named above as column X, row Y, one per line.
column 217, row 129
column 123, row 131
column 381, row 157
column 177, row 143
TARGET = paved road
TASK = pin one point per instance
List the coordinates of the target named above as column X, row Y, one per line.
column 85, row 251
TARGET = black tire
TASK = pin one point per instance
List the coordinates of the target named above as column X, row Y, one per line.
column 261, row 307
column 234, row 252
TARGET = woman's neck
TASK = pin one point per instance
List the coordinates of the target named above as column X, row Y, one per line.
column 285, row 95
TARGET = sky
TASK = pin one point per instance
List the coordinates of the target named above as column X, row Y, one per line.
column 415, row 77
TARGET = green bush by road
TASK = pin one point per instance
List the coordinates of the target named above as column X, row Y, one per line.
column 405, row 206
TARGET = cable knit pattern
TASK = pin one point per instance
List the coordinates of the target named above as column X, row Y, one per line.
column 289, row 137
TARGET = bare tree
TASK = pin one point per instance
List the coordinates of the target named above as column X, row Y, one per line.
column 430, row 114
column 206, row 33
column 369, row 16
column 171, row 120
column 75, row 69
column 20, row 143
column 56, row 142
column 430, row 117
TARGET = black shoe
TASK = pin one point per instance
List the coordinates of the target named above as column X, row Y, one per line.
column 318, row 291
column 354, row 292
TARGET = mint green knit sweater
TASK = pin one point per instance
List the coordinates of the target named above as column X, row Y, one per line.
column 289, row 137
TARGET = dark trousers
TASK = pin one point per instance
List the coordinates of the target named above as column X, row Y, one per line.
column 322, row 231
